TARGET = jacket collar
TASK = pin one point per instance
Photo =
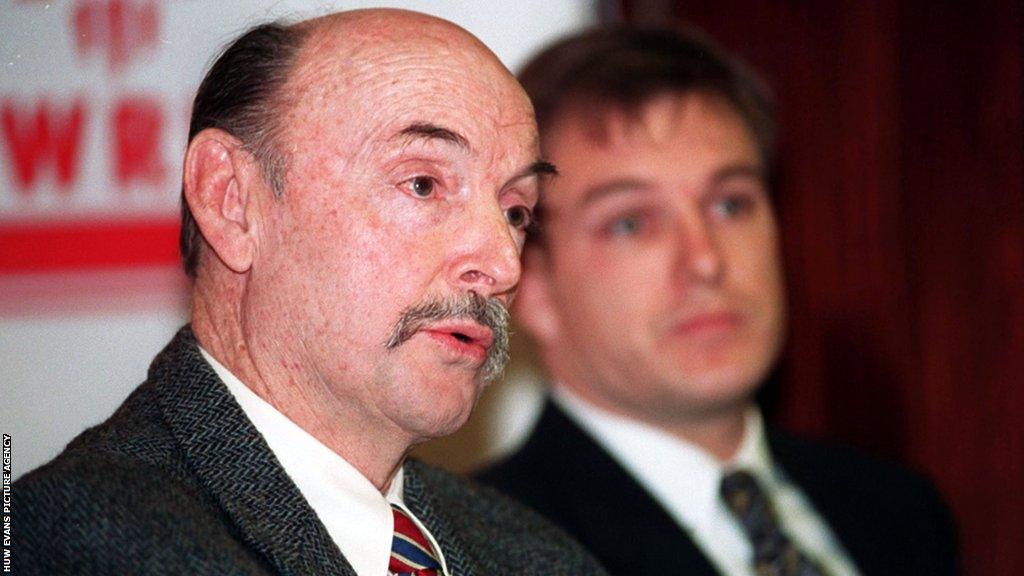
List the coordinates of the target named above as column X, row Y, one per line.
column 236, row 467
column 583, row 475
column 433, row 514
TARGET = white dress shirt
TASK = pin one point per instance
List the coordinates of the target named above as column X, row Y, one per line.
column 357, row 516
column 684, row 479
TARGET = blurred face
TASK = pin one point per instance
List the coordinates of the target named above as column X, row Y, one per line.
column 660, row 288
column 397, row 240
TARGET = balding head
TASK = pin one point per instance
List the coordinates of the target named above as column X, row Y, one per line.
column 369, row 288
column 247, row 90
column 360, row 32
column 381, row 67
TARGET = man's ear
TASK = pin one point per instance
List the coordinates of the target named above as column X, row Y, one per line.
column 218, row 184
column 534, row 308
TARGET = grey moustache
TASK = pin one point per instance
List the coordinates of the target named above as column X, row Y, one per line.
column 488, row 312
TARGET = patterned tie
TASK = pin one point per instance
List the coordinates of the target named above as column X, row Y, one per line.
column 774, row 553
column 411, row 552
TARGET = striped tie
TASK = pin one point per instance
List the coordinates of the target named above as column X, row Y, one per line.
column 411, row 552
column 774, row 553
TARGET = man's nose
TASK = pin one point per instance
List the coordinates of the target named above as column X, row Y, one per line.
column 487, row 254
column 698, row 255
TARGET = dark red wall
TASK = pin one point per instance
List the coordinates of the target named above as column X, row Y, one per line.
column 901, row 197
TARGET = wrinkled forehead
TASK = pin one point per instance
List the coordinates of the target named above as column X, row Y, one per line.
column 375, row 77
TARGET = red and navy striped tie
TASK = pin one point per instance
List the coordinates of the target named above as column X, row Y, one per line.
column 411, row 552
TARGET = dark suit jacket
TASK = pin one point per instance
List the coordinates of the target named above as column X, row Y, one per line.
column 889, row 520
column 178, row 481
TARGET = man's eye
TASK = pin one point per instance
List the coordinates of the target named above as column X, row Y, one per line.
column 732, row 206
column 422, row 186
column 624, row 226
column 520, row 217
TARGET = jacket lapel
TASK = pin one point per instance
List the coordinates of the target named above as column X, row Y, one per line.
column 419, row 499
column 237, row 468
column 602, row 502
column 826, row 484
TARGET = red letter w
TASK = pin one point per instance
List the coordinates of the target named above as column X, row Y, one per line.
column 45, row 135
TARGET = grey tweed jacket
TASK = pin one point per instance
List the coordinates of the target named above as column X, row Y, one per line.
column 178, row 481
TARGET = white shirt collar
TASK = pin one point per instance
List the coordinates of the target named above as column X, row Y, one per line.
column 684, row 480
column 681, row 475
column 357, row 516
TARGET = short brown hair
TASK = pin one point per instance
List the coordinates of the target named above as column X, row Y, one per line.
column 624, row 67
column 238, row 95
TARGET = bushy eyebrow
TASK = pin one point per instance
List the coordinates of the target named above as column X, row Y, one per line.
column 541, row 168
column 538, row 168
column 428, row 131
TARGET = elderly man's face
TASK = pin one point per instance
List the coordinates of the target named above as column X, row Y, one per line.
column 411, row 180
column 664, row 293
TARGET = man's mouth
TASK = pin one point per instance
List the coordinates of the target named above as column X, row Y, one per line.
column 707, row 323
column 468, row 326
column 465, row 338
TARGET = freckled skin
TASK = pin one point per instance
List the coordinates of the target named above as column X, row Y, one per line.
column 613, row 326
column 348, row 247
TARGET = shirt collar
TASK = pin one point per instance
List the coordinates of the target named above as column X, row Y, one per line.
column 682, row 476
column 357, row 516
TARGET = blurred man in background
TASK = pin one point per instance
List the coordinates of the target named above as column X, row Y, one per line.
column 356, row 193
column 655, row 295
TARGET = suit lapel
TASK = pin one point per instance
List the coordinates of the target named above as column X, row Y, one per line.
column 419, row 499
column 824, row 486
column 238, row 469
column 606, row 509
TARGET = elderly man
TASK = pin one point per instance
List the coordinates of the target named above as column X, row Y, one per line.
column 357, row 189
column 655, row 296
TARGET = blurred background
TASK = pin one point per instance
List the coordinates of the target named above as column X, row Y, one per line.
column 900, row 192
